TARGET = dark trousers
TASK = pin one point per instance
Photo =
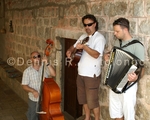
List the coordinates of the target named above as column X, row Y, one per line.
column 31, row 113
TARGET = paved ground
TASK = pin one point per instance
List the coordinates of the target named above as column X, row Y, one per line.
column 12, row 107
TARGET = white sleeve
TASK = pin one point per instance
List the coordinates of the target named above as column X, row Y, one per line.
column 80, row 39
column 100, row 45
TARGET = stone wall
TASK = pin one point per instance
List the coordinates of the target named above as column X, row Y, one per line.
column 34, row 21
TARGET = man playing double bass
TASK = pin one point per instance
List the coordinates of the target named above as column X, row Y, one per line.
column 31, row 81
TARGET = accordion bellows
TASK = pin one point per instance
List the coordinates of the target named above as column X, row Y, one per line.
column 121, row 62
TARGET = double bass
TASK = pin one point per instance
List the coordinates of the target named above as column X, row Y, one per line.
column 48, row 105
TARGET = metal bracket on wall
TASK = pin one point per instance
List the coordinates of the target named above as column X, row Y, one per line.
column 11, row 27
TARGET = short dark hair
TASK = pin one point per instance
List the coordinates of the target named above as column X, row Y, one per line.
column 123, row 22
column 92, row 17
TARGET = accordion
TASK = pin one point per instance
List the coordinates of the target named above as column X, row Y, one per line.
column 120, row 64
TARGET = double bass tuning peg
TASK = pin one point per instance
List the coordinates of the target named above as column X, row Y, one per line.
column 50, row 42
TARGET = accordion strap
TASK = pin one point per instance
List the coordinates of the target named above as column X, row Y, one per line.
column 130, row 43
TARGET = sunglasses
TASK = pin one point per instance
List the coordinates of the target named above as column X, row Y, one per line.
column 38, row 56
column 89, row 24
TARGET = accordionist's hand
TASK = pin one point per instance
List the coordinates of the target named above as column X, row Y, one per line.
column 132, row 77
column 106, row 57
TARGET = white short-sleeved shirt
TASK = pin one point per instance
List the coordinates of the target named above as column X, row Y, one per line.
column 88, row 65
column 32, row 78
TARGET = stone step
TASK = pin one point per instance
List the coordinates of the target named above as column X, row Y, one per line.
column 12, row 77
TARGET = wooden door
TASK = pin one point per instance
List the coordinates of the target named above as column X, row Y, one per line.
column 71, row 105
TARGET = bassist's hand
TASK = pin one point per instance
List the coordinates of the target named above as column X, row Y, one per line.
column 44, row 59
column 35, row 93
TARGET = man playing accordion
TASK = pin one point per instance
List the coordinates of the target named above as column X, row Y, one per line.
column 121, row 106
